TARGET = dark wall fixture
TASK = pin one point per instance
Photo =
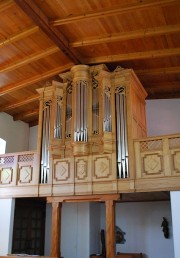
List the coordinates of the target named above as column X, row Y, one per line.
column 120, row 236
column 165, row 227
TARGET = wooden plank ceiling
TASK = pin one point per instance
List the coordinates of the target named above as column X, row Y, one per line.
column 41, row 38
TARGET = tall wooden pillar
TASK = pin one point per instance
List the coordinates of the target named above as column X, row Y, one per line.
column 110, row 229
column 56, row 229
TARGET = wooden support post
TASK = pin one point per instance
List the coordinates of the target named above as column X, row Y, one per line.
column 110, row 229
column 56, row 229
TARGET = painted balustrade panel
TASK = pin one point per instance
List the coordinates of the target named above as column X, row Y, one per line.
column 157, row 156
column 19, row 169
column 8, row 169
column 85, row 175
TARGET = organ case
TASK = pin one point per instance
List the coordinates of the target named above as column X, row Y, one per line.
column 87, row 123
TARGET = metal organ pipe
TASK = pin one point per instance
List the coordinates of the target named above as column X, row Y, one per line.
column 81, row 109
column 107, row 126
column 95, row 110
column 58, row 119
column 68, row 109
column 45, row 143
column 121, row 133
column 95, row 103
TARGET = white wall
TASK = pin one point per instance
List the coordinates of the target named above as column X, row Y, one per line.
column 141, row 221
column 175, row 207
column 33, row 132
column 94, row 228
column 163, row 116
column 75, row 230
column 75, row 236
column 6, row 225
column 15, row 133
column 69, row 229
column 80, row 229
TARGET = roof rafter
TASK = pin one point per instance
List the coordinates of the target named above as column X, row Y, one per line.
column 19, row 36
column 164, row 96
column 157, row 71
column 170, row 85
column 149, row 32
column 43, row 76
column 133, row 56
column 25, row 115
column 19, row 103
column 41, row 20
column 5, row 4
column 33, row 123
column 29, row 59
column 112, row 11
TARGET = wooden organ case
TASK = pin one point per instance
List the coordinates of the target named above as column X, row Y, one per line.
column 87, row 124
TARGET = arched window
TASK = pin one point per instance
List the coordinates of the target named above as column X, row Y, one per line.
column 2, row 146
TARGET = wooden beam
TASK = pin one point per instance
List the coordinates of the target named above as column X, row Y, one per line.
column 133, row 56
column 158, row 71
column 163, row 90
column 5, row 4
column 19, row 103
column 56, row 230
column 164, row 95
column 33, row 123
column 41, row 20
column 19, row 36
column 121, row 9
column 149, row 32
column 84, row 198
column 29, row 59
column 25, row 115
column 43, row 76
column 110, row 229
column 162, row 85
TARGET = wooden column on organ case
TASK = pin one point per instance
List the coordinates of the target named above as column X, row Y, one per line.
column 80, row 109
column 129, row 96
column 107, row 128
column 50, row 132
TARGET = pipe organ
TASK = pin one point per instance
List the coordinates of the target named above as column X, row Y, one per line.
column 87, row 123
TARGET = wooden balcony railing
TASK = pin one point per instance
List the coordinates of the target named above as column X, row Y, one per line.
column 157, row 168
column 18, row 170
column 157, row 162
